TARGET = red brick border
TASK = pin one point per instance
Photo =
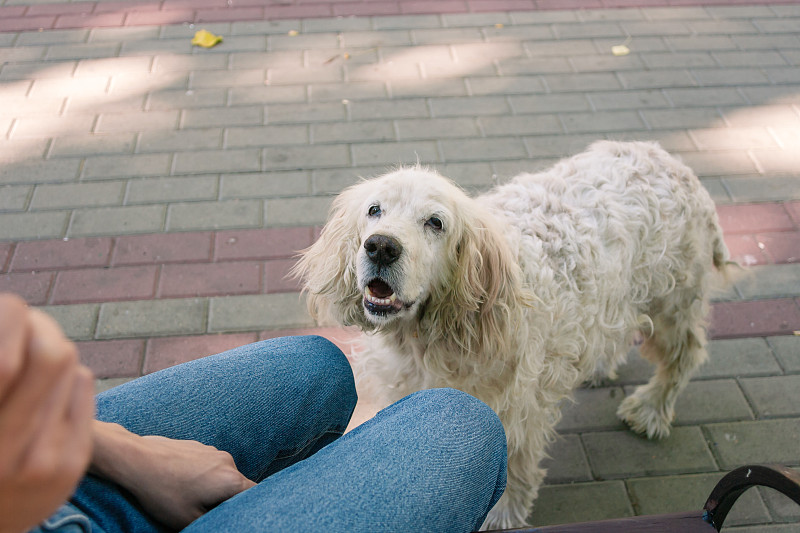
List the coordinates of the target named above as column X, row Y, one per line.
column 72, row 15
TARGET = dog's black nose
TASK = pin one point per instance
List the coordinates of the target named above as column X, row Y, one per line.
column 382, row 250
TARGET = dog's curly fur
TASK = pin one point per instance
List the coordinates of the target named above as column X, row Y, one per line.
column 520, row 295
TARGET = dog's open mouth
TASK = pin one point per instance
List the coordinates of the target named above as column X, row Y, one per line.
column 380, row 299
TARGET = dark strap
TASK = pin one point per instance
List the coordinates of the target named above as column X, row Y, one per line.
column 719, row 503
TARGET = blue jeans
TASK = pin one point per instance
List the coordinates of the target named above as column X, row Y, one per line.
column 434, row 461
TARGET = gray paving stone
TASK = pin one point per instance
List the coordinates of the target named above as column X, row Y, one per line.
column 389, row 109
column 733, row 138
column 634, row 99
column 620, row 454
column 704, row 96
column 305, row 113
column 239, row 137
column 68, row 195
column 302, row 41
column 116, row 220
column 10, row 149
column 566, row 463
column 165, row 189
column 594, row 409
column 301, row 76
column 761, row 189
column 469, row 106
column 103, row 167
column 650, row 79
column 180, row 140
column 302, row 211
column 226, row 214
column 52, row 37
column 305, row 157
column 490, row 85
column 602, row 121
column 482, row 149
column 557, row 146
column 258, row 312
column 673, row 494
column 584, row 82
column 549, row 103
column 510, row 125
column 728, row 77
column 763, row 441
column 713, row 42
column 208, row 161
column 533, row 66
column 781, row 507
column 48, row 126
column 367, row 130
column 707, row 401
column 152, row 318
column 14, row 197
column 135, row 122
column 330, row 92
column 556, row 504
column 265, row 94
column 262, row 60
column 572, row 47
column 77, row 321
column 775, row 281
column 223, row 116
column 775, row 396
column 719, row 163
column 395, row 153
column 731, row 358
column 37, row 225
column 585, row 29
column 333, row 180
column 265, row 185
column 787, row 350
column 92, row 144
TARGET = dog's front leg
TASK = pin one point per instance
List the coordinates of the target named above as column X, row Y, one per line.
column 522, row 487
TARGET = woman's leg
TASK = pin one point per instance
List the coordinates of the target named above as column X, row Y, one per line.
column 268, row 404
column 434, row 461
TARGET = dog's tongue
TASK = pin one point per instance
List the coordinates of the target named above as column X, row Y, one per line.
column 380, row 289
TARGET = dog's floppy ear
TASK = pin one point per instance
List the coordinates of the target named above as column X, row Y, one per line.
column 327, row 267
column 478, row 308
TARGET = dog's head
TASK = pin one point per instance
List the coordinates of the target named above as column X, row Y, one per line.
column 408, row 246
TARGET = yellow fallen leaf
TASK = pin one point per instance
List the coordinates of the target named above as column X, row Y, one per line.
column 206, row 39
column 620, row 50
column 499, row 26
column 293, row 33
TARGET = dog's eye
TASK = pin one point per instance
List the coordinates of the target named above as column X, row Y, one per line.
column 374, row 211
column 435, row 223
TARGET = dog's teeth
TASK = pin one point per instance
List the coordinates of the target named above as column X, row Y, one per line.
column 379, row 301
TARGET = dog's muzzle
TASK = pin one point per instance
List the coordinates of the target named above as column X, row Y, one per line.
column 379, row 296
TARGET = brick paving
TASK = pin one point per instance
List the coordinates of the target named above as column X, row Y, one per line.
column 153, row 194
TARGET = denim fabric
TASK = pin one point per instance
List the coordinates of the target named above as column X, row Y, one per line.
column 435, row 461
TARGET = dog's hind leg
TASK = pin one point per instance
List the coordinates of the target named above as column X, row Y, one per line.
column 677, row 347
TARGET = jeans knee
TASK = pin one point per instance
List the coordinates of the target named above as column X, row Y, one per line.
column 460, row 411
column 326, row 367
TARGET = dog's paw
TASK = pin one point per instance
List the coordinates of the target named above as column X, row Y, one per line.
column 505, row 517
column 645, row 418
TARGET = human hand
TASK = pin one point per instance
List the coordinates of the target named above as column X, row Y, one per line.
column 46, row 409
column 175, row 481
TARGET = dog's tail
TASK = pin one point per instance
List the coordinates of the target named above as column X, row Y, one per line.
column 727, row 267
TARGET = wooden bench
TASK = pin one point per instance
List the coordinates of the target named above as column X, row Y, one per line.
column 707, row 520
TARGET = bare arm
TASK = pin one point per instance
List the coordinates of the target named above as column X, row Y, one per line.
column 175, row 481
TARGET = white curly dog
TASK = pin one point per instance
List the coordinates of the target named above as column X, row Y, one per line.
column 521, row 294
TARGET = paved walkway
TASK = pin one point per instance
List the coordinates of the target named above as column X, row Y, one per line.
column 152, row 194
